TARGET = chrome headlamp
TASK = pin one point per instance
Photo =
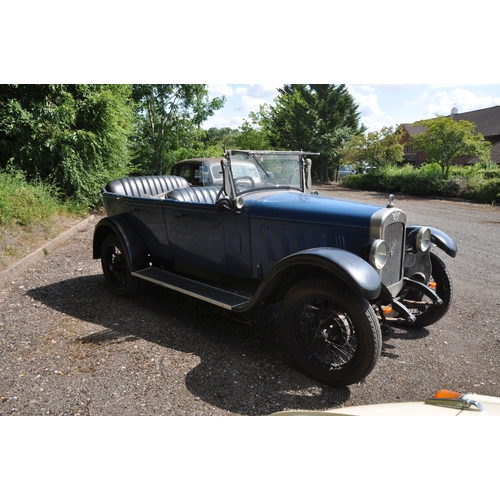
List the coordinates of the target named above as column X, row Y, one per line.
column 378, row 254
column 423, row 239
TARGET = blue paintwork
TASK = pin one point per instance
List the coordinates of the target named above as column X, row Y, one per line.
column 292, row 206
column 285, row 223
column 356, row 273
column 196, row 235
column 271, row 226
column 123, row 226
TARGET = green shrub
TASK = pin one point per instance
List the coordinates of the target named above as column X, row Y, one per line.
column 75, row 137
column 428, row 180
column 455, row 187
column 484, row 191
column 23, row 203
column 386, row 179
column 479, row 183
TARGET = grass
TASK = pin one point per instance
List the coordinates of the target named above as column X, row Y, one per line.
column 30, row 215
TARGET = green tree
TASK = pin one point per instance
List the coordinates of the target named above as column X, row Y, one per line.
column 224, row 137
column 375, row 148
column 332, row 146
column 446, row 139
column 72, row 136
column 170, row 118
column 305, row 115
column 252, row 134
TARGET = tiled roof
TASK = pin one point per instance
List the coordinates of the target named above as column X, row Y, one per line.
column 495, row 152
column 487, row 123
column 413, row 129
column 487, row 120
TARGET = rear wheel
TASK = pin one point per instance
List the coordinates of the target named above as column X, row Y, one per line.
column 116, row 268
column 332, row 334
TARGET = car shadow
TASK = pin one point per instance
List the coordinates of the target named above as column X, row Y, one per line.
column 401, row 334
column 243, row 366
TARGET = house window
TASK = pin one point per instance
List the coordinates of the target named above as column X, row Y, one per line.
column 408, row 149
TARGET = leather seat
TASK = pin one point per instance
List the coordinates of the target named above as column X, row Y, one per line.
column 195, row 194
column 144, row 186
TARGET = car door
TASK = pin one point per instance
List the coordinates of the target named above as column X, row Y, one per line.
column 196, row 235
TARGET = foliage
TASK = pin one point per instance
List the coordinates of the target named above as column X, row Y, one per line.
column 446, row 139
column 74, row 137
column 331, row 146
column 307, row 116
column 225, row 137
column 170, row 118
column 22, row 203
column 391, row 178
column 252, row 134
column 470, row 183
column 388, row 178
column 198, row 150
column 425, row 181
column 484, row 191
column 374, row 148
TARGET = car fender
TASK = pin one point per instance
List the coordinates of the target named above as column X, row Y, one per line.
column 133, row 245
column 440, row 239
column 344, row 266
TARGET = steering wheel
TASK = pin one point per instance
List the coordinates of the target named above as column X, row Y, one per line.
column 246, row 178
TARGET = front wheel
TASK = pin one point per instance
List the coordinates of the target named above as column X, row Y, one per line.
column 116, row 268
column 426, row 313
column 332, row 334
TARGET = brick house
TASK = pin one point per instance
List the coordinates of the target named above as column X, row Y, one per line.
column 487, row 123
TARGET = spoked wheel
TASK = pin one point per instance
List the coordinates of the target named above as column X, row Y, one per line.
column 116, row 268
column 422, row 307
column 332, row 334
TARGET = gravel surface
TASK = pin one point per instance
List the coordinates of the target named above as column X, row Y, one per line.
column 70, row 347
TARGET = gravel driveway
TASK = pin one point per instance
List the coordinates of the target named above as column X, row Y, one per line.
column 69, row 347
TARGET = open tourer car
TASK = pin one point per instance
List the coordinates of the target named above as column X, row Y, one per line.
column 252, row 233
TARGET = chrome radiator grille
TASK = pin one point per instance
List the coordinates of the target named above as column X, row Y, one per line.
column 389, row 224
column 394, row 235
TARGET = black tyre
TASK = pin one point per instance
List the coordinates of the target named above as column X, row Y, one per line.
column 116, row 268
column 332, row 334
column 425, row 311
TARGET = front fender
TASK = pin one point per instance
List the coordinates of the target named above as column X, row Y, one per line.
column 440, row 239
column 132, row 244
column 347, row 267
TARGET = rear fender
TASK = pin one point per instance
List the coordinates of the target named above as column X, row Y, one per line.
column 135, row 251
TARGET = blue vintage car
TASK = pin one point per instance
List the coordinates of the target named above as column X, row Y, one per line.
column 342, row 271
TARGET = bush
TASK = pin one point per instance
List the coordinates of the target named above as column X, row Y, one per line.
column 388, row 178
column 484, row 191
column 25, row 203
column 479, row 183
column 428, row 180
column 75, row 137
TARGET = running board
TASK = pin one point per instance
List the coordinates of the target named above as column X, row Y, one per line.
column 211, row 294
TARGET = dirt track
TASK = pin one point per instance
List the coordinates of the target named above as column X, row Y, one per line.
column 69, row 347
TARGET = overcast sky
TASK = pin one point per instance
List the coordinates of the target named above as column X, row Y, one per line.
column 380, row 105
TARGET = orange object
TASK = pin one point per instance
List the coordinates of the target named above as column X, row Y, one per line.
column 445, row 394
column 387, row 309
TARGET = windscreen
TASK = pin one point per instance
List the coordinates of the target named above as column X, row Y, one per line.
column 266, row 171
